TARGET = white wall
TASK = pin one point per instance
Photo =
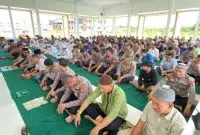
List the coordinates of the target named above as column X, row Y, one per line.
column 52, row 5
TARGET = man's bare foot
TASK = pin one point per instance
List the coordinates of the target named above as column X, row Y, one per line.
column 45, row 88
column 69, row 119
column 54, row 100
column 105, row 133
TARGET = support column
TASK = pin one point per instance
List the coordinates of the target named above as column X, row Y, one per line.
column 102, row 24
column 143, row 26
column 113, row 25
column 65, row 25
column 128, row 26
column 175, row 24
column 38, row 22
column 138, row 26
column 141, row 23
column 92, row 27
column 196, row 27
column 171, row 7
column 76, row 20
column 11, row 22
column 32, row 23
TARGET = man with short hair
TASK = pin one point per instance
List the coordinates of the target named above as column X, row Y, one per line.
column 58, row 81
column 52, row 70
column 145, row 57
column 108, row 64
column 76, row 89
column 167, row 65
column 21, row 58
column 111, row 113
column 159, row 116
column 37, row 70
column 84, row 59
column 154, row 52
column 184, row 87
column 95, row 60
column 187, row 56
column 148, row 78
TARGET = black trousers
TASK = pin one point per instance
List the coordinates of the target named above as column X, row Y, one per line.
column 83, row 64
column 182, row 101
column 125, row 80
column 74, row 109
column 112, row 73
column 94, row 111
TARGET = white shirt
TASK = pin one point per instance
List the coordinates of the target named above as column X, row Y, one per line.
column 154, row 52
column 172, row 124
column 40, row 66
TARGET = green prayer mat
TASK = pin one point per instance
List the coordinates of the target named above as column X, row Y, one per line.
column 44, row 120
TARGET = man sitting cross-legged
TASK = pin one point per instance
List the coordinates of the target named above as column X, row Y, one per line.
column 76, row 89
column 58, row 81
column 51, row 71
column 167, row 65
column 159, row 116
column 108, row 64
column 125, row 69
column 37, row 71
column 110, row 114
column 96, row 59
column 148, row 78
column 21, row 58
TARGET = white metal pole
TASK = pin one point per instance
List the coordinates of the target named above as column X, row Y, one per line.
column 171, row 6
column 38, row 22
column 32, row 23
column 11, row 22
column 175, row 24
column 113, row 25
column 77, row 20
column 128, row 25
column 196, row 27
column 143, row 25
column 138, row 26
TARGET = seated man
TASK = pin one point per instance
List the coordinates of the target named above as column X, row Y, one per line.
column 187, row 56
column 76, row 89
column 30, row 66
column 63, row 71
column 167, row 65
column 26, row 61
column 84, row 59
column 125, row 69
column 184, row 87
column 96, row 58
column 197, row 50
column 194, row 69
column 37, row 71
column 154, row 51
column 75, row 54
column 108, row 64
column 111, row 113
column 148, row 78
column 21, row 58
column 145, row 57
column 159, row 116
column 39, row 53
column 51, row 72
